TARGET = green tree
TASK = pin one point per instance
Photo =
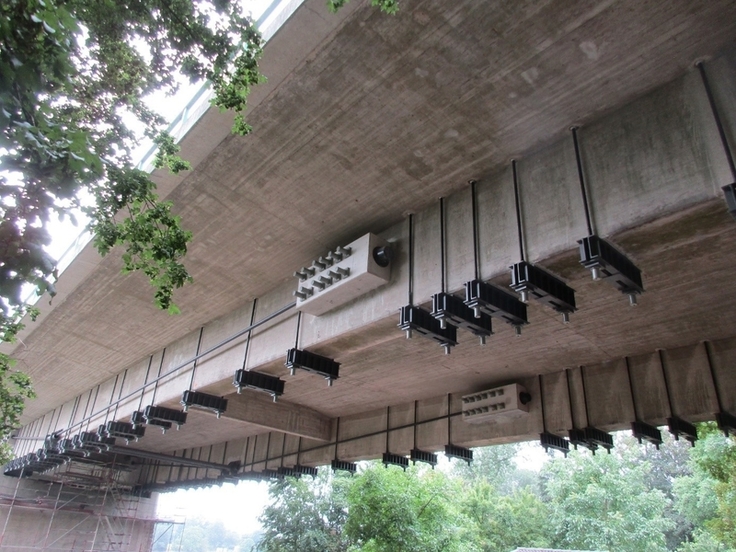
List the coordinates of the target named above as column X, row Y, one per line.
column 15, row 386
column 306, row 515
column 414, row 510
column 714, row 468
column 603, row 502
column 388, row 6
column 695, row 498
column 72, row 74
column 703, row 541
column 499, row 523
column 664, row 468
column 494, row 464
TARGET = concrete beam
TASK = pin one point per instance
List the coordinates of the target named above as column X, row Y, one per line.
column 657, row 199
column 693, row 382
column 173, row 459
column 254, row 408
column 333, row 80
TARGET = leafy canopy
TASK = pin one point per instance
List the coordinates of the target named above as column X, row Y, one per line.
column 74, row 77
column 631, row 500
column 306, row 515
column 605, row 502
column 413, row 510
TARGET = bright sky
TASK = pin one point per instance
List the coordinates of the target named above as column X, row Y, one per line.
column 237, row 506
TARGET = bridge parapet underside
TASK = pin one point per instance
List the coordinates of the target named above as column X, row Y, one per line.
column 653, row 169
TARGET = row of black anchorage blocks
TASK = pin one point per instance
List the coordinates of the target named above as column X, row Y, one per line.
column 555, row 442
column 137, row 419
column 66, row 446
column 197, row 399
column 253, row 476
column 646, row 432
column 726, row 423
column 52, row 457
column 248, row 379
column 529, row 280
column 312, row 362
column 592, row 438
column 272, row 474
column 124, row 430
column 105, row 442
column 488, row 299
column 343, row 465
column 90, row 442
column 305, row 470
column 423, row 456
column 577, row 439
column 607, row 263
column 288, row 472
column 415, row 319
column 729, row 190
column 161, row 416
column 389, row 458
column 28, row 464
column 46, row 461
column 448, row 308
column 51, row 443
column 680, row 428
column 95, row 442
column 461, row 453
column 16, row 468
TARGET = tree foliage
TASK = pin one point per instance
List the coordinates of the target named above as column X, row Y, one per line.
column 501, row 522
column 15, row 386
column 628, row 501
column 387, row 6
column 74, row 78
column 603, row 502
column 714, row 465
column 306, row 515
column 391, row 509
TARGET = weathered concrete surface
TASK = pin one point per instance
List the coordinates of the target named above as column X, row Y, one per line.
column 606, row 400
column 380, row 122
column 381, row 368
column 365, row 117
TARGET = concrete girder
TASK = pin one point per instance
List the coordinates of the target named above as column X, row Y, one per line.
column 374, row 116
column 692, row 382
column 257, row 409
column 654, row 168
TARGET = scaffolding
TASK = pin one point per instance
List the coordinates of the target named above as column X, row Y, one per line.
column 84, row 506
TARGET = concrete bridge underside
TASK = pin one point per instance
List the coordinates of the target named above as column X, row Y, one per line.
column 366, row 118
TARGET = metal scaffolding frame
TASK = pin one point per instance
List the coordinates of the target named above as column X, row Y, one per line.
column 98, row 494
